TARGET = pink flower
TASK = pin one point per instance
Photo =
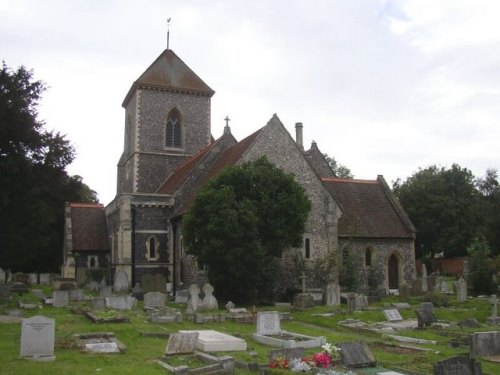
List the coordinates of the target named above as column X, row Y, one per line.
column 322, row 359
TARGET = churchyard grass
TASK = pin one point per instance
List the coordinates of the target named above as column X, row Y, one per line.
column 143, row 351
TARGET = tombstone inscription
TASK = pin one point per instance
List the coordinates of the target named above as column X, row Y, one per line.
column 37, row 338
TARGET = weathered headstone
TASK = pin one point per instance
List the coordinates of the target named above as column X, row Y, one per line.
column 351, row 302
column 416, row 288
column 182, row 296
column 137, row 292
column 461, row 286
column 332, row 294
column 106, row 291
column 230, row 305
column 4, row 291
column 494, row 313
column 154, row 300
column 268, row 323
column 194, row 302
column 98, row 303
column 404, row 292
column 425, row 318
column 121, row 302
column 37, row 338
column 214, row 341
column 355, row 354
column 60, row 298
column 148, row 283
column 484, row 344
column 121, row 283
column 19, row 287
column 159, row 283
column 76, row 295
column 444, row 286
column 468, row 323
column 431, row 282
column 93, row 286
column 427, row 306
column 425, row 287
column 209, row 301
column 102, row 347
column 181, row 343
column 458, row 365
column 393, row 315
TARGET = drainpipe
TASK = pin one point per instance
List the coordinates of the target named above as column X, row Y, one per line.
column 132, row 256
column 174, row 249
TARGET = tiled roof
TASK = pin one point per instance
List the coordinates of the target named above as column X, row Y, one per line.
column 89, row 230
column 175, row 180
column 368, row 211
column 169, row 72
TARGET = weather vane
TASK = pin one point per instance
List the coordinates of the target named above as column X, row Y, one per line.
column 168, row 32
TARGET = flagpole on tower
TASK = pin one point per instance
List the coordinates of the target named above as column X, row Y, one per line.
column 168, row 33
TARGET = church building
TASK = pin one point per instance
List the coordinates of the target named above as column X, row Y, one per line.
column 169, row 153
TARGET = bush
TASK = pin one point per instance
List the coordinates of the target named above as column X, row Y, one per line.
column 480, row 277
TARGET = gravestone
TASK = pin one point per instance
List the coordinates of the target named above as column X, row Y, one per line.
column 416, row 287
column 484, row 344
column 332, row 294
column 103, row 283
column 181, row 343
column 76, row 295
column 356, row 354
column 120, row 283
column 458, row 365
column 268, row 323
column 444, row 286
column 193, row 303
column 148, row 283
column 425, row 318
column 98, row 303
column 159, row 284
column 60, row 298
column 4, row 291
column 351, row 302
column 106, row 291
column 215, row 341
column 37, row 338
column 461, row 286
column 154, row 300
column 209, row 301
column 19, row 287
column 427, row 306
column 121, row 302
column 137, row 292
column 93, row 286
column 425, row 287
column 404, row 292
column 393, row 315
column 102, row 347
column 181, row 296
column 230, row 305
column 494, row 319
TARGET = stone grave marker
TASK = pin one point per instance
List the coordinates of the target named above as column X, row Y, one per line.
column 93, row 286
column 468, row 323
column 159, row 283
column 287, row 353
column 425, row 286
column 76, row 295
column 494, row 313
column 215, row 341
column 102, row 347
column 356, row 354
column 393, row 315
column 154, row 300
column 19, row 287
column 444, row 286
column 100, row 342
column 484, row 344
column 182, row 296
column 427, row 306
column 404, row 292
column 209, row 301
column 121, row 283
column 416, row 288
column 98, row 303
column 148, row 283
column 4, row 292
column 37, row 338
column 431, row 282
column 268, row 323
column 137, row 292
column 103, row 283
column 106, row 291
column 461, row 286
column 121, row 302
column 458, row 365
column 332, row 294
column 230, row 305
column 193, row 303
column 425, row 318
column 60, row 298
column 181, row 343
column 351, row 302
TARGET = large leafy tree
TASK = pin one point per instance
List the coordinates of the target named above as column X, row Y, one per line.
column 445, row 207
column 340, row 170
column 240, row 223
column 490, row 190
column 33, row 182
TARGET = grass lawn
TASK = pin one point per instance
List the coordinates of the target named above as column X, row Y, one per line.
column 143, row 351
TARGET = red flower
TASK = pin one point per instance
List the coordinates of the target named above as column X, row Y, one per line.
column 322, row 360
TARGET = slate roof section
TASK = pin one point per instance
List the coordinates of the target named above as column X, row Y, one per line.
column 169, row 72
column 88, row 227
column 369, row 209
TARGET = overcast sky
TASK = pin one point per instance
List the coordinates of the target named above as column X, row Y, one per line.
column 383, row 86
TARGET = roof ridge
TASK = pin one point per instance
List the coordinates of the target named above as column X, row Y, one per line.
column 349, row 180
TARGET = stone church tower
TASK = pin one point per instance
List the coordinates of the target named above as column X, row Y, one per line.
column 167, row 120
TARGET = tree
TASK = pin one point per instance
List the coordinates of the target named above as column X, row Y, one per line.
column 340, row 170
column 445, row 208
column 240, row 223
column 33, row 182
column 490, row 190
column 480, row 276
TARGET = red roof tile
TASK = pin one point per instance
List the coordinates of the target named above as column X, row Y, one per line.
column 89, row 230
column 368, row 211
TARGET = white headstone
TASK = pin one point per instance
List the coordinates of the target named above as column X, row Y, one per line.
column 60, row 298
column 393, row 315
column 37, row 338
column 268, row 323
column 209, row 301
column 194, row 299
column 102, row 347
column 121, row 281
column 214, row 341
column 424, row 278
column 332, row 294
column 461, row 286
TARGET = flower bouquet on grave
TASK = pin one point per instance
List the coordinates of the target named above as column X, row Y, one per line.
column 322, row 360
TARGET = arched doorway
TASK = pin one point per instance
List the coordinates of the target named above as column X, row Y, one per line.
column 393, row 271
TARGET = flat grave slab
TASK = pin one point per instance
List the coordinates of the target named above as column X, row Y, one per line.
column 356, row 354
column 215, row 341
column 393, row 315
column 100, row 342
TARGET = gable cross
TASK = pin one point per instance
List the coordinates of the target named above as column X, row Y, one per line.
column 227, row 119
